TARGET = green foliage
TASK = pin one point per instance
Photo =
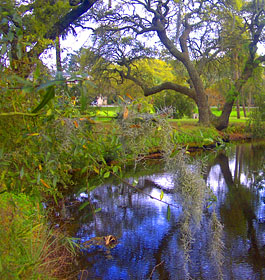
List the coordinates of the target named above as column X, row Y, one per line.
column 24, row 26
column 180, row 105
column 28, row 249
column 142, row 105
column 257, row 118
column 143, row 133
column 196, row 137
column 35, row 160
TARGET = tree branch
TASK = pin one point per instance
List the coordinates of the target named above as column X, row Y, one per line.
column 63, row 23
column 18, row 114
column 169, row 85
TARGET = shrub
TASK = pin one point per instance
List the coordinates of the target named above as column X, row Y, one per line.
column 181, row 105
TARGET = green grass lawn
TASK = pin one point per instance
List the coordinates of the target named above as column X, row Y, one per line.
column 217, row 112
column 103, row 113
column 108, row 113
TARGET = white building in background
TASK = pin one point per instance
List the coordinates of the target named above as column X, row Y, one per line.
column 101, row 100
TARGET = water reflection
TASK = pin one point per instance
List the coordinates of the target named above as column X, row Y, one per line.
column 146, row 238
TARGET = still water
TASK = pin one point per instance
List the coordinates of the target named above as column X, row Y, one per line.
column 149, row 244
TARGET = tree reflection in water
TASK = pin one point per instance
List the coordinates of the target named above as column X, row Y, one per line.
column 146, row 238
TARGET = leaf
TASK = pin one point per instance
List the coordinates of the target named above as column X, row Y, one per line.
column 208, row 140
column 238, row 4
column 161, row 195
column 83, row 205
column 49, row 112
column 21, row 174
column 127, row 94
column 87, row 82
column 54, row 181
column 37, row 73
column 50, row 93
column 106, row 175
column 45, row 184
column 19, row 51
column 125, row 113
column 96, row 169
column 174, row 152
column 89, row 189
column 76, row 124
column 55, row 199
column 115, row 169
column 168, row 213
column 121, row 98
column 50, row 84
column 97, row 210
column 3, row 49
column 84, row 169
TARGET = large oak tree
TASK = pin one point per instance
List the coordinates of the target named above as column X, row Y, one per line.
column 194, row 33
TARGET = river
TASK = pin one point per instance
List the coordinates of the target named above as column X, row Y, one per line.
column 150, row 242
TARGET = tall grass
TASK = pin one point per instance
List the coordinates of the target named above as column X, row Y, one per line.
column 28, row 248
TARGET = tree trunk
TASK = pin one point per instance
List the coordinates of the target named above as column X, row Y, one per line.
column 58, row 54
column 203, row 108
column 249, row 100
column 236, row 76
column 244, row 107
column 223, row 121
column 201, row 97
column 196, row 82
column 237, row 108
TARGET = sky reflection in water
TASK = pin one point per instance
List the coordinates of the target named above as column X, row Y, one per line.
column 146, row 238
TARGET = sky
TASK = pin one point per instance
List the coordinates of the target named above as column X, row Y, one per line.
column 69, row 45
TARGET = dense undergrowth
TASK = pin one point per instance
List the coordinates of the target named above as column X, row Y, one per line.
column 29, row 249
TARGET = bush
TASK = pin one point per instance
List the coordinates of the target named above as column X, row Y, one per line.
column 181, row 105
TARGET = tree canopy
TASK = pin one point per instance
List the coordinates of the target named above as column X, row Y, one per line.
column 27, row 28
column 193, row 33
